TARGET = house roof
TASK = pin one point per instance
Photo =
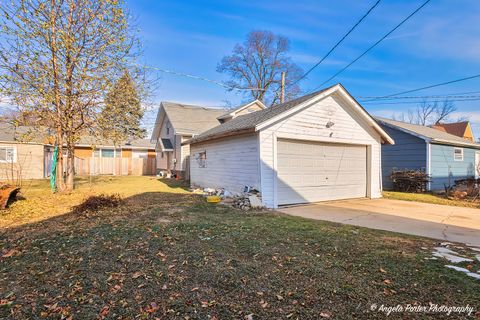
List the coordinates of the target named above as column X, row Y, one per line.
column 40, row 135
column 23, row 134
column 166, row 144
column 249, row 122
column 427, row 133
column 232, row 112
column 457, row 129
column 191, row 119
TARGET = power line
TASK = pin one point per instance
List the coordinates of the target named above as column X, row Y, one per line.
column 419, row 101
column 338, row 43
column 191, row 76
column 374, row 45
column 449, row 95
column 427, row 87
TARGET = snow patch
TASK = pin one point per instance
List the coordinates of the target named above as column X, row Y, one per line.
column 466, row 271
column 450, row 255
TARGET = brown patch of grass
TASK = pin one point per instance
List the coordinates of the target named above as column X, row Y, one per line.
column 430, row 198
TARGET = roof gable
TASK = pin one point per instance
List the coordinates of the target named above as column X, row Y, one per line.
column 255, row 105
column 186, row 119
column 258, row 120
column 459, row 129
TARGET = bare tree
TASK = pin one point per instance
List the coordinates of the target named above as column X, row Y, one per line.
column 429, row 113
column 258, row 63
column 59, row 59
column 444, row 111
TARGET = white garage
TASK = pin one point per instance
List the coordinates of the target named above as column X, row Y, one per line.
column 323, row 146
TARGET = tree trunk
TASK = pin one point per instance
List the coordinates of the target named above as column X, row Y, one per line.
column 60, row 182
column 70, row 167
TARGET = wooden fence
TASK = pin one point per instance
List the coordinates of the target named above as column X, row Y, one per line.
column 115, row 166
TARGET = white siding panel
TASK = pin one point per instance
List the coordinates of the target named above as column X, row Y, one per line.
column 232, row 163
column 311, row 124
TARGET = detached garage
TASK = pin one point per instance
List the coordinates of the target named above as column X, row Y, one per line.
column 322, row 146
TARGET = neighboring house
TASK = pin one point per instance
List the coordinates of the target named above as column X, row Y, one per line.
column 177, row 123
column 22, row 152
column 322, row 146
column 26, row 153
column 459, row 129
column 445, row 157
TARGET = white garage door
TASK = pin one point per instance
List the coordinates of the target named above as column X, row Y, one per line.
column 311, row 171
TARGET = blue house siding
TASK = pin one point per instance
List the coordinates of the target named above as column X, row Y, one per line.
column 445, row 170
column 408, row 152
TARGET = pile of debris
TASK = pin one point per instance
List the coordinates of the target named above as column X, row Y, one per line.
column 410, row 180
column 250, row 198
column 466, row 188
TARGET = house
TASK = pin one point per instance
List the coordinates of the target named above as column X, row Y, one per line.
column 445, row 157
column 26, row 153
column 177, row 123
column 459, row 129
column 322, row 146
column 22, row 152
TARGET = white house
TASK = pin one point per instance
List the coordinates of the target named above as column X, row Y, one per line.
column 322, row 146
column 177, row 123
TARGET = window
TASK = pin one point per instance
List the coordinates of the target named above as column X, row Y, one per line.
column 202, row 159
column 8, row 154
column 108, row 153
column 458, row 154
column 162, row 155
column 168, row 129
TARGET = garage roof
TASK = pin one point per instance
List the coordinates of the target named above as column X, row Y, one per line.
column 250, row 122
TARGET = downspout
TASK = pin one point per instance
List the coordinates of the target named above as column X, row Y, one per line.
column 428, row 166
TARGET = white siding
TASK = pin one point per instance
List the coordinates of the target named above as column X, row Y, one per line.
column 310, row 124
column 232, row 163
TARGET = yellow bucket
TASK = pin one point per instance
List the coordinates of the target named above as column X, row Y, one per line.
column 214, row 199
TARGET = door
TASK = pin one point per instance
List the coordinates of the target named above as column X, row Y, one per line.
column 477, row 165
column 311, row 171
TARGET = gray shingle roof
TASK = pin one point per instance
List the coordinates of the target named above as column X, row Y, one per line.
column 249, row 121
column 428, row 133
column 191, row 119
column 30, row 134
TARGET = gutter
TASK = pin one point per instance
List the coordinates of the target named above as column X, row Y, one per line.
column 219, row 136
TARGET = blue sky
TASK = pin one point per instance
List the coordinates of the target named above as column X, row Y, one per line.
column 440, row 43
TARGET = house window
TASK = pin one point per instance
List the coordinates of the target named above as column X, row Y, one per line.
column 8, row 154
column 202, row 159
column 168, row 129
column 162, row 155
column 458, row 154
column 108, row 153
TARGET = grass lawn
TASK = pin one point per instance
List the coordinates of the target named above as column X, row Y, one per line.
column 168, row 254
column 430, row 198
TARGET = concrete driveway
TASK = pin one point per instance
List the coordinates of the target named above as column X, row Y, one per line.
column 446, row 223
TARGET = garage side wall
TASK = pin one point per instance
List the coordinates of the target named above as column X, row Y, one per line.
column 311, row 124
column 231, row 163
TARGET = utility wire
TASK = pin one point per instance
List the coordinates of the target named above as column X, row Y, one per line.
column 191, row 76
column 427, row 87
column 449, row 95
column 337, row 44
column 419, row 101
column 374, row 45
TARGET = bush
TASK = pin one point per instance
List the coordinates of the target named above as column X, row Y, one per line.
column 101, row 201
